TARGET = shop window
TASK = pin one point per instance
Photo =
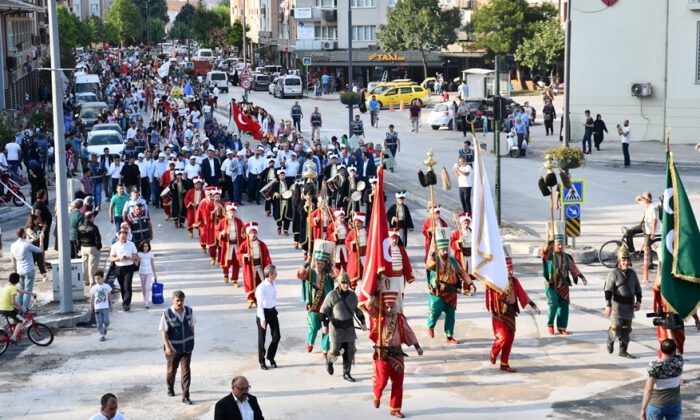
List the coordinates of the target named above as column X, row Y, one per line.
column 364, row 33
column 364, row 3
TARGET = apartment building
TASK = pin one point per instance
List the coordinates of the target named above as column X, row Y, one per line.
column 86, row 8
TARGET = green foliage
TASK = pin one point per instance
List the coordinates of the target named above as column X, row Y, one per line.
column 154, row 32
column 210, row 26
column 180, row 30
column 96, row 28
column 125, row 19
column 67, row 28
column 545, row 49
column 501, row 25
column 8, row 127
column 186, row 14
column 225, row 3
column 224, row 13
column 236, row 36
column 419, row 25
column 566, row 156
column 153, row 9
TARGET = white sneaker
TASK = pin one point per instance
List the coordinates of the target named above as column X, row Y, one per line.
column 44, row 279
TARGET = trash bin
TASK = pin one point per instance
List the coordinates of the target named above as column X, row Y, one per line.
column 76, row 277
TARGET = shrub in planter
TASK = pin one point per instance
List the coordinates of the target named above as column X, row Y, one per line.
column 567, row 157
column 350, row 98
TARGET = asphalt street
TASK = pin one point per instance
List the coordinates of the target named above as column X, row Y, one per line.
column 558, row 377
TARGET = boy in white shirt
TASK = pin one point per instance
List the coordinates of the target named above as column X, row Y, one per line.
column 101, row 303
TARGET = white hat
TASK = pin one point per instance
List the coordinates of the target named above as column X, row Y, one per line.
column 197, row 180
column 173, row 156
column 352, row 168
column 229, row 152
column 193, row 157
column 465, row 217
column 210, row 148
column 341, row 166
column 270, row 160
column 359, row 217
column 240, row 153
column 373, row 180
column 338, row 212
column 436, row 208
column 400, row 194
column 281, row 171
column 251, row 226
column 141, row 155
column 231, row 207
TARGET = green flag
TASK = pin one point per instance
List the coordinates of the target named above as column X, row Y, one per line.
column 680, row 250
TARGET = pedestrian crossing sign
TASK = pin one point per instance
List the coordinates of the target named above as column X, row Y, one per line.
column 574, row 195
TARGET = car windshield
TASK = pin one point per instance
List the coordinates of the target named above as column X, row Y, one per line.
column 104, row 140
column 89, row 113
column 86, row 87
column 293, row 81
column 205, row 54
column 379, row 90
column 104, row 127
column 86, row 98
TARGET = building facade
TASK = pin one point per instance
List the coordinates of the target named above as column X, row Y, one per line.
column 637, row 60
column 24, row 43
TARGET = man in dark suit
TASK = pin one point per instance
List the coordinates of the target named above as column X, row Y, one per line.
column 366, row 167
column 211, row 169
column 238, row 405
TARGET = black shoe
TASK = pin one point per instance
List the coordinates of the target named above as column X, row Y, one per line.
column 186, row 400
column 273, row 363
column 611, row 347
column 627, row 355
column 347, row 377
column 171, row 392
column 263, row 366
column 329, row 368
column 127, row 308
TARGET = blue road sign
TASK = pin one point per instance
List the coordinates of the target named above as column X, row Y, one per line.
column 306, row 61
column 575, row 194
column 572, row 211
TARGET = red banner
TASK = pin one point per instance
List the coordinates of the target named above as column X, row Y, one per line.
column 377, row 258
column 246, row 123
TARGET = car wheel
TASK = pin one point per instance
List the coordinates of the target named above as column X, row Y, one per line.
column 435, row 127
column 381, row 105
column 420, row 103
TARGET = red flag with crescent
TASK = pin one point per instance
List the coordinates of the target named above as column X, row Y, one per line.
column 609, row 2
column 377, row 258
column 246, row 123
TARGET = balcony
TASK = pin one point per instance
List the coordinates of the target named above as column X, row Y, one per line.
column 307, row 13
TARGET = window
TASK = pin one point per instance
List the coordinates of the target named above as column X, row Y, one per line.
column 326, row 32
column 364, row 33
column 364, row 3
column 326, row 4
column 392, row 3
column 95, row 10
column 405, row 90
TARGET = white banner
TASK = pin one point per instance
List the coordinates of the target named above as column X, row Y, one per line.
column 305, row 30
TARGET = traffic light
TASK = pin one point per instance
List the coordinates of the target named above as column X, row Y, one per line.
column 499, row 108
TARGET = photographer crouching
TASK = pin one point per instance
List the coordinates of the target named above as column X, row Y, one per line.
column 621, row 290
column 669, row 325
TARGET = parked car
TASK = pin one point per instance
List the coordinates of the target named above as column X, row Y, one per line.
column 441, row 114
column 260, row 81
column 271, row 88
column 98, row 140
column 227, row 65
column 288, row 86
column 108, row 127
column 89, row 111
column 218, row 79
column 274, row 70
column 81, row 98
column 397, row 94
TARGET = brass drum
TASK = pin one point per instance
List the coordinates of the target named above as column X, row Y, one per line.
column 287, row 195
column 356, row 195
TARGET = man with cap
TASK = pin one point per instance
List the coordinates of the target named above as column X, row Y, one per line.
column 337, row 313
column 399, row 217
column 392, row 142
column 238, row 177
column 256, row 165
column 394, row 281
column 211, row 169
column 317, row 282
column 337, row 231
column 202, row 212
column 356, row 243
column 191, row 171
column 209, row 212
column 253, row 256
column 461, row 241
column 389, row 330
column 504, row 308
column 558, row 269
column 282, row 203
column 623, row 297
column 428, row 228
column 348, row 186
column 446, row 280
column 228, row 168
column 191, row 201
column 178, row 191
column 269, row 181
column 230, row 234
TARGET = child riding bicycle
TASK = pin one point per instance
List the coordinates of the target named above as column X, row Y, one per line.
column 9, row 307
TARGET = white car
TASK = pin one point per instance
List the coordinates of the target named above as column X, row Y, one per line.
column 111, row 139
column 271, row 88
column 440, row 116
column 287, row 86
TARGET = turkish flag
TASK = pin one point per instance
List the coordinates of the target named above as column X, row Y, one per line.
column 246, row 123
column 377, row 258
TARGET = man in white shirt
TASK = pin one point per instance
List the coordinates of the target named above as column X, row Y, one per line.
column 292, row 168
column 463, row 90
column 14, row 152
column 115, row 173
column 239, row 404
column 192, row 170
column 131, row 132
column 228, row 169
column 266, row 315
column 465, row 180
column 625, row 133
column 108, row 409
column 256, row 165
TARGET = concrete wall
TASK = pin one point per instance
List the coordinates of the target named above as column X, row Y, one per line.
column 625, row 44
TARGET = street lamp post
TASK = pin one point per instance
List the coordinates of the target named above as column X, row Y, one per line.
column 350, row 106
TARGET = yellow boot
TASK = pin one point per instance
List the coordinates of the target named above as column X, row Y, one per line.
column 213, row 261
column 226, row 279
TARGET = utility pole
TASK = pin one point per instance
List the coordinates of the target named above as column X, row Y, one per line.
column 350, row 65
column 243, row 22
column 567, row 76
column 64, row 269
column 497, row 140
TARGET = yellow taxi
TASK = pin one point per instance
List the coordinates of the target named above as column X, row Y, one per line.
column 394, row 95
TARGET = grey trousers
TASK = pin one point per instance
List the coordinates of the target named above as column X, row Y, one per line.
column 620, row 329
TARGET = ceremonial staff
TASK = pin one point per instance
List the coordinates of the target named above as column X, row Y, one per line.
column 310, row 175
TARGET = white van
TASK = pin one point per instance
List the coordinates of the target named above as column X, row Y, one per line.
column 287, row 86
column 219, row 79
column 88, row 83
column 204, row 54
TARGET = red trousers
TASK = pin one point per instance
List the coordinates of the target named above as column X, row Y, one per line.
column 678, row 337
column 505, row 334
column 232, row 265
column 383, row 371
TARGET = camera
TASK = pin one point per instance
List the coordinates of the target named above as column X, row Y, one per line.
column 666, row 320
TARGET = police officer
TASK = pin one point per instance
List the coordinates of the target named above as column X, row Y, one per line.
column 391, row 141
column 316, row 123
column 623, row 296
column 297, row 115
column 357, row 126
column 177, row 333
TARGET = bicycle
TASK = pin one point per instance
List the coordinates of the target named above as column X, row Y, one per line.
column 607, row 254
column 374, row 115
column 38, row 333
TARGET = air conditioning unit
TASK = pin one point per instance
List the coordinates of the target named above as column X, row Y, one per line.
column 328, row 45
column 641, row 89
column 330, row 15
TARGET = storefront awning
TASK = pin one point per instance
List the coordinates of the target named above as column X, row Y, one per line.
column 366, row 57
column 18, row 6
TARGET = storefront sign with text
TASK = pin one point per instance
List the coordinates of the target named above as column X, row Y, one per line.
column 386, row 57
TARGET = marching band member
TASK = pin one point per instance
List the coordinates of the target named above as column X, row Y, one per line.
column 281, row 203
column 356, row 243
column 337, row 232
column 399, row 217
column 394, row 282
column 317, row 279
column 253, row 256
column 192, row 199
column 460, row 241
column 231, row 234
column 177, row 195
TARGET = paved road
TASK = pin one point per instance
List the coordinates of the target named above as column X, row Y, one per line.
column 558, row 376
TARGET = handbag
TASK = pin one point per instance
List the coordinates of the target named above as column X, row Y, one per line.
column 157, row 292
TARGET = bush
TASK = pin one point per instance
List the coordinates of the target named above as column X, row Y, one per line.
column 350, row 98
column 568, row 157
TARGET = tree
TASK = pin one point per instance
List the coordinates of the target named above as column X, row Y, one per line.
column 206, row 22
column 125, row 19
column 545, row 49
column 153, row 9
column 155, row 32
column 236, row 35
column 180, row 30
column 419, row 25
column 501, row 25
column 186, row 15
column 67, row 35
column 96, row 28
